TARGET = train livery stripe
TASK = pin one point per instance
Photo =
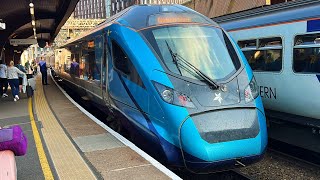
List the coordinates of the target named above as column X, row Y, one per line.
column 133, row 100
column 318, row 76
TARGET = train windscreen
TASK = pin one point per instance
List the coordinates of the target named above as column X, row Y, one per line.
column 184, row 48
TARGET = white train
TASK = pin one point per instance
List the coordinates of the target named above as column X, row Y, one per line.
column 282, row 46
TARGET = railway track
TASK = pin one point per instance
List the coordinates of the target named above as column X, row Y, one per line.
column 294, row 152
column 225, row 175
column 283, row 161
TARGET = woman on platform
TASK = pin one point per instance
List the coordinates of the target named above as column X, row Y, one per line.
column 13, row 79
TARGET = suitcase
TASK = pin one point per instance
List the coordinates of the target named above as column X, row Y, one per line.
column 13, row 139
column 31, row 81
column 8, row 169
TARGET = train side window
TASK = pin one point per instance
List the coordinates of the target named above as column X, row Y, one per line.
column 248, row 43
column 265, row 56
column 123, row 64
column 88, row 62
column 98, row 52
column 307, row 39
column 270, row 42
column 306, row 54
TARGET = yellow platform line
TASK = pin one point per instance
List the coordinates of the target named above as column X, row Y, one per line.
column 42, row 155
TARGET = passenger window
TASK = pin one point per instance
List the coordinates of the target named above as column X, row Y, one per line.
column 98, row 50
column 307, row 39
column 306, row 53
column 270, row 42
column 123, row 64
column 88, row 62
column 248, row 43
column 265, row 56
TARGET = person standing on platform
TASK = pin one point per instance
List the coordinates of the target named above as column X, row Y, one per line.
column 3, row 79
column 43, row 70
column 21, row 68
column 27, row 66
column 13, row 79
column 34, row 67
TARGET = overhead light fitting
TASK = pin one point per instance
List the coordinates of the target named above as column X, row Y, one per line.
column 31, row 5
column 32, row 11
column 2, row 26
column 34, row 29
column 33, row 22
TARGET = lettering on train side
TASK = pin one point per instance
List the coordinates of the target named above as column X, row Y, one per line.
column 268, row 92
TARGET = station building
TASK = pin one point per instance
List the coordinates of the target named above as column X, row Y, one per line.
column 214, row 8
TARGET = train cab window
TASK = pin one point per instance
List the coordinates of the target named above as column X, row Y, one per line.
column 306, row 53
column 120, row 59
column 123, row 64
column 265, row 56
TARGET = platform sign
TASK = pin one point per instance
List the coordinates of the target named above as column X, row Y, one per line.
column 22, row 41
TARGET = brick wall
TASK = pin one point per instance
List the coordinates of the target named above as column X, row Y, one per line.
column 214, row 8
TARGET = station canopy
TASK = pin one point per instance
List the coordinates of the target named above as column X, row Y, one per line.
column 48, row 15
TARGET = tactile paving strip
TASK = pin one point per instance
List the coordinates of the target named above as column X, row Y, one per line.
column 66, row 159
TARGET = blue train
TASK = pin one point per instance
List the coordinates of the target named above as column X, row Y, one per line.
column 176, row 82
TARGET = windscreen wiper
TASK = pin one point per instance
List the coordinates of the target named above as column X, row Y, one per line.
column 175, row 57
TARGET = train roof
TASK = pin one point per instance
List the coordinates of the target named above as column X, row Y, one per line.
column 138, row 17
column 268, row 15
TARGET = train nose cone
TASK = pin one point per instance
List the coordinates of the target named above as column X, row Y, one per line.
column 214, row 140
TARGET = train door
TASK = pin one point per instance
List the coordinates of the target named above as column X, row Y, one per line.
column 104, row 69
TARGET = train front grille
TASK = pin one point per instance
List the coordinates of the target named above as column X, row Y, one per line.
column 227, row 125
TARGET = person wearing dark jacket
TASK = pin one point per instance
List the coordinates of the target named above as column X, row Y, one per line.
column 43, row 70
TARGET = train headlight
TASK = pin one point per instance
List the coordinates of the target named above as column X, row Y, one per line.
column 167, row 95
column 251, row 91
column 172, row 96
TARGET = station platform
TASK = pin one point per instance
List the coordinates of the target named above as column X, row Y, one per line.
column 66, row 142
